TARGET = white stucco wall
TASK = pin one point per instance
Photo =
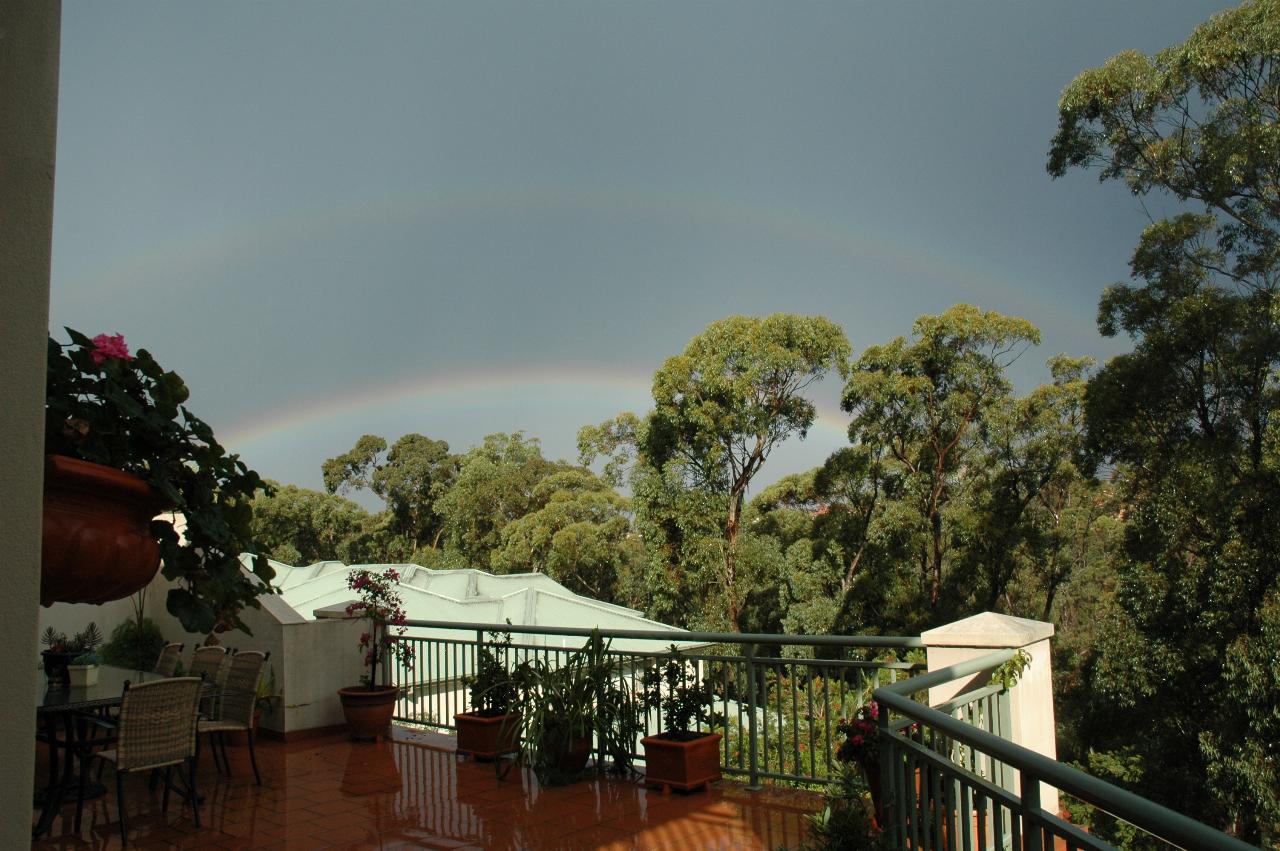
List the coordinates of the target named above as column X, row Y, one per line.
column 29, row 42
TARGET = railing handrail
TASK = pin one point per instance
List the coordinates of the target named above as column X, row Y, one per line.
column 1174, row 827
column 909, row 642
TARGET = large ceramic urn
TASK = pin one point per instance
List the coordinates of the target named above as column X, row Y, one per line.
column 97, row 542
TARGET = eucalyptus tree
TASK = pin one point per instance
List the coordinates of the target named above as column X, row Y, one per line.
column 300, row 526
column 579, row 533
column 729, row 399
column 495, row 485
column 1188, row 416
column 410, row 478
column 919, row 410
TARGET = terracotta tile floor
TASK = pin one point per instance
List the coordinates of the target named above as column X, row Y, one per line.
column 416, row 792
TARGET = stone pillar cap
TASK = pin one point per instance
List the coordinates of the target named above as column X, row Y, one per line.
column 988, row 629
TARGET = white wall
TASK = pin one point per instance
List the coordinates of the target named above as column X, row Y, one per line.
column 29, row 43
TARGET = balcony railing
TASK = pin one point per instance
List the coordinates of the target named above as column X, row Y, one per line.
column 781, row 710
column 952, row 777
column 953, row 780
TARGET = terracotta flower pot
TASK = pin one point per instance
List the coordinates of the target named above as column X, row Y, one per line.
column 368, row 711
column 684, row 765
column 97, row 541
column 487, row 736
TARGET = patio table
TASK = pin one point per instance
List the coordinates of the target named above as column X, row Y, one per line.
column 58, row 707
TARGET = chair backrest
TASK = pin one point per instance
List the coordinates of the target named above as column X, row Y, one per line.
column 208, row 662
column 212, row 663
column 240, row 693
column 157, row 723
column 167, row 662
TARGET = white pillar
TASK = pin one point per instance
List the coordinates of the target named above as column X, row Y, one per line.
column 1030, row 700
column 29, row 38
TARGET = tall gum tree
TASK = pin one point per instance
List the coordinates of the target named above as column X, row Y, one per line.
column 724, row 404
column 921, row 404
column 1188, row 417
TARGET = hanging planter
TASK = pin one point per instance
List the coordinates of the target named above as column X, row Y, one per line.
column 97, row 543
column 107, row 406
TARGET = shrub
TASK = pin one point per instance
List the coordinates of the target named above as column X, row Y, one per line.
column 131, row 647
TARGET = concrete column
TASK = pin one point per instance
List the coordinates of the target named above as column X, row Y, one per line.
column 1031, row 699
column 29, row 40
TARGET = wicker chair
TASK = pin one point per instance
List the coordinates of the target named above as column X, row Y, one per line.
column 211, row 663
column 167, row 663
column 235, row 710
column 156, row 729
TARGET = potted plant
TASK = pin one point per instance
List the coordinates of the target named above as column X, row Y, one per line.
column 266, row 696
column 683, row 756
column 369, row 706
column 861, row 747
column 565, row 706
column 122, row 446
column 491, row 728
column 61, row 652
column 83, row 670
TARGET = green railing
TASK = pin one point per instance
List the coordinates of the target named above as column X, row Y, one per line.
column 781, row 712
column 952, row 780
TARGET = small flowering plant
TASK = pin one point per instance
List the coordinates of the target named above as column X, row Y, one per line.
column 380, row 604
column 110, row 406
column 862, row 736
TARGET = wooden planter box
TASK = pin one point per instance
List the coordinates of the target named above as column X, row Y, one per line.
column 488, row 736
column 681, row 765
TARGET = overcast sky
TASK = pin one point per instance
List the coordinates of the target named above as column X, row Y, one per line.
column 468, row 217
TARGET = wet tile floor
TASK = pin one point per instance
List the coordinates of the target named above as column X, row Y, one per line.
column 415, row 792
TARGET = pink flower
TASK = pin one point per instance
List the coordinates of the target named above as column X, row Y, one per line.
column 110, row 347
column 857, row 740
column 364, row 638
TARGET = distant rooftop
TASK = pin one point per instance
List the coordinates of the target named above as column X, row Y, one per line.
column 466, row 595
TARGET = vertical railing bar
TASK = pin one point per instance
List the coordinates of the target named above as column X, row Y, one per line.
column 795, row 722
column 752, row 756
column 813, row 755
column 826, row 726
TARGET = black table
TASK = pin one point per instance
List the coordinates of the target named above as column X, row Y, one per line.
column 57, row 708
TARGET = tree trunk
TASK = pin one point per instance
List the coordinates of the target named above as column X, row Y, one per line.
column 731, row 530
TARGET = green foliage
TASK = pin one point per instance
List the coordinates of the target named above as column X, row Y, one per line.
column 298, row 526
column 846, row 822
column 1007, row 674
column 681, row 704
column 268, row 693
column 134, row 647
column 722, row 406
column 410, row 478
column 495, row 485
column 577, row 531
column 105, row 406
column 90, row 657
column 1188, row 653
column 84, row 641
column 493, row 689
column 572, row 698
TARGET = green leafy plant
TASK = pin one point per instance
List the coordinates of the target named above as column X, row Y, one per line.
column 380, row 604
column 1008, row 674
column 845, row 822
column 562, row 704
column 267, row 694
column 682, row 704
column 134, row 645
column 122, row 410
column 84, row 641
column 493, row 690
column 91, row 657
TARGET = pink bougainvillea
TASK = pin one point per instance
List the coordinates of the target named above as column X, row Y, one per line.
column 109, row 347
column 380, row 603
